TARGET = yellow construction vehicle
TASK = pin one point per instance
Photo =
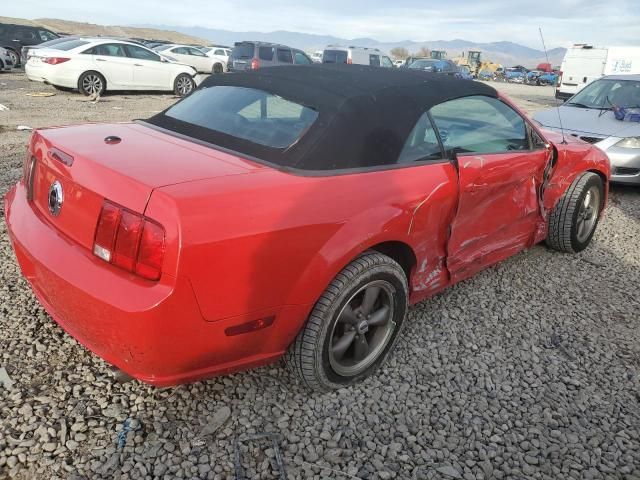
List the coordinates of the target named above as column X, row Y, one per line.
column 473, row 60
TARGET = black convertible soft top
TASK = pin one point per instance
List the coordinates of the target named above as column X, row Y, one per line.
column 365, row 114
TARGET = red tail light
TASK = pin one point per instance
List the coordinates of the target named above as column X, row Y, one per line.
column 129, row 241
column 349, row 61
column 55, row 60
column 255, row 64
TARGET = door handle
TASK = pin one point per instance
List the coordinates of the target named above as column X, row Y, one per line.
column 100, row 60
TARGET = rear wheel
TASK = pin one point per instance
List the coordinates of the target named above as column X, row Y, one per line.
column 92, row 83
column 15, row 58
column 183, row 85
column 353, row 326
column 218, row 68
column 574, row 219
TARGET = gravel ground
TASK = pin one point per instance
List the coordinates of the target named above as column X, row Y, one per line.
column 529, row 370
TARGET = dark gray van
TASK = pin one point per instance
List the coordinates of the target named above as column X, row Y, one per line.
column 255, row 55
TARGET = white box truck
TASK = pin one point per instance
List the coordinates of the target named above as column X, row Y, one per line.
column 584, row 63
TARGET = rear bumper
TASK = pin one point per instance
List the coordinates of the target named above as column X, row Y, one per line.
column 152, row 331
column 48, row 74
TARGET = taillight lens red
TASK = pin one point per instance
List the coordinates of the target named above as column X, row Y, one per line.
column 130, row 241
column 55, row 60
column 255, row 64
column 349, row 61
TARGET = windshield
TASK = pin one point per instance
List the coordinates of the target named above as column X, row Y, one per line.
column 245, row 113
column 243, row 50
column 607, row 93
column 334, row 56
column 424, row 64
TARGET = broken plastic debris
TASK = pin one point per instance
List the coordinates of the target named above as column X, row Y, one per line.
column 274, row 438
column 3, row 108
column 40, row 94
column 23, row 127
column 5, row 380
column 129, row 425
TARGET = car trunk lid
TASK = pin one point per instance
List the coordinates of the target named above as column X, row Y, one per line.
column 77, row 168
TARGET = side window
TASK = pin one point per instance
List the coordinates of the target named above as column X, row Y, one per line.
column 26, row 34
column 386, row 62
column 284, row 55
column 265, row 53
column 219, row 52
column 422, row 143
column 374, row 60
column 180, row 51
column 46, row 35
column 479, row 124
column 110, row 50
column 142, row 53
column 195, row 52
column 302, row 59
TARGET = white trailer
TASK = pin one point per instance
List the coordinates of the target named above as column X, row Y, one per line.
column 584, row 63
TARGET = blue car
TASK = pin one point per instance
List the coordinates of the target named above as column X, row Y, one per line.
column 514, row 76
column 548, row 78
column 464, row 73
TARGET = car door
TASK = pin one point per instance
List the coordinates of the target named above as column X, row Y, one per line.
column 149, row 71
column 374, row 60
column 301, row 58
column 111, row 60
column 500, row 174
column 285, row 56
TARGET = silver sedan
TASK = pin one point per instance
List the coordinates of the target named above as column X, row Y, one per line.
column 589, row 115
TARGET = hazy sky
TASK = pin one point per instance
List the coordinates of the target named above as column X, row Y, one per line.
column 564, row 22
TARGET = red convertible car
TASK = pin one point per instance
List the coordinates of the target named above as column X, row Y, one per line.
column 288, row 211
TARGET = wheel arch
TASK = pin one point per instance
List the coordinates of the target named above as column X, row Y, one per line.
column 106, row 81
column 400, row 252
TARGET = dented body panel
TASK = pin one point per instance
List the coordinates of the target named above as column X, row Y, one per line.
column 246, row 242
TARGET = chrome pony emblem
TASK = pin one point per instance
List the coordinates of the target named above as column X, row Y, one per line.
column 56, row 198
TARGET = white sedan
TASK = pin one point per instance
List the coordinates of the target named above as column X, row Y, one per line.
column 94, row 66
column 189, row 56
column 221, row 57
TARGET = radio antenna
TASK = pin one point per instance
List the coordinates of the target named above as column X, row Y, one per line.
column 564, row 141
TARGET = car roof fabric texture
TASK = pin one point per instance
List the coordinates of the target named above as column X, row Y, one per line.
column 365, row 114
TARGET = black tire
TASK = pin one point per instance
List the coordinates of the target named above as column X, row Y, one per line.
column 309, row 358
column 218, row 68
column 564, row 233
column 92, row 83
column 15, row 58
column 181, row 84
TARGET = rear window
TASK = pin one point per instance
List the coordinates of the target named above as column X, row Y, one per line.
column 334, row 56
column 243, row 50
column 70, row 45
column 245, row 113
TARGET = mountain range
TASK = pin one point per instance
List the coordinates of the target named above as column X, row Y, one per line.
column 505, row 52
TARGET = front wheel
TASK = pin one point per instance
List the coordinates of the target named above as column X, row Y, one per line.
column 353, row 326
column 574, row 219
column 183, row 85
column 218, row 68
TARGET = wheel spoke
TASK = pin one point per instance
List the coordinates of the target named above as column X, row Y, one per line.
column 348, row 316
column 370, row 297
column 361, row 348
column 340, row 347
column 379, row 317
